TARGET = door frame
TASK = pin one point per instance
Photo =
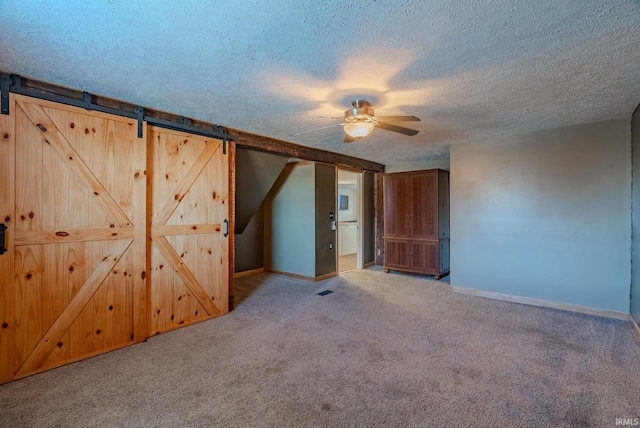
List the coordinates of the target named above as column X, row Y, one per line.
column 359, row 218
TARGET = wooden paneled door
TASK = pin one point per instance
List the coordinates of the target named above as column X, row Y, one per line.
column 397, row 254
column 397, row 206
column 110, row 238
column 73, row 277
column 424, row 196
column 189, row 243
column 7, row 215
column 425, row 256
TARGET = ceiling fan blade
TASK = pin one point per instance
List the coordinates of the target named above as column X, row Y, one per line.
column 348, row 139
column 394, row 128
column 331, row 117
column 399, row 118
column 318, row 129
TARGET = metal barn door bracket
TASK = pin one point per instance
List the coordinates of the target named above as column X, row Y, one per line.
column 140, row 117
column 5, row 87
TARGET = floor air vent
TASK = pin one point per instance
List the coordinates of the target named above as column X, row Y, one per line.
column 325, row 292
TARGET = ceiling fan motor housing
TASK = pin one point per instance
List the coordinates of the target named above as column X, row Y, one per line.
column 361, row 112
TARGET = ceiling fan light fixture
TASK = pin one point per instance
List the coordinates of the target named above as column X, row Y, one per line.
column 358, row 129
column 360, row 120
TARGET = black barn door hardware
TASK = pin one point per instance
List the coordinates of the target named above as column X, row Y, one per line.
column 2, row 241
column 49, row 92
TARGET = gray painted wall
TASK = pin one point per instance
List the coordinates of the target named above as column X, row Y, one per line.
column 250, row 244
column 325, row 191
column 545, row 215
column 256, row 172
column 635, row 259
column 289, row 223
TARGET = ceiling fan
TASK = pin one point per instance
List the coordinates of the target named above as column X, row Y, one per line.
column 360, row 120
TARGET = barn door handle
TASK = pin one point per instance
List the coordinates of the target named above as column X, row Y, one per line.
column 2, row 229
column 226, row 222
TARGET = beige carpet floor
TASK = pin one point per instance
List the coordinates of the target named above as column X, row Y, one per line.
column 388, row 350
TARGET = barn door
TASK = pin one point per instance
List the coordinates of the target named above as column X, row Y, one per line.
column 189, row 228
column 76, row 236
column 7, row 189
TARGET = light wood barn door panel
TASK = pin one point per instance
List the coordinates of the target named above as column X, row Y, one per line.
column 7, row 197
column 78, row 235
column 189, row 253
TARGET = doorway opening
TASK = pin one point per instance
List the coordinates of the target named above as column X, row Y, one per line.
column 349, row 204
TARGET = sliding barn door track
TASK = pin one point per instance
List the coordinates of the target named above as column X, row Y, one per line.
column 51, row 92
column 46, row 91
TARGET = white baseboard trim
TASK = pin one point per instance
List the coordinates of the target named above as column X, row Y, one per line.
column 543, row 303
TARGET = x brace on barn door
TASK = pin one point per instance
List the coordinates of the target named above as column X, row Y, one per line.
column 13, row 83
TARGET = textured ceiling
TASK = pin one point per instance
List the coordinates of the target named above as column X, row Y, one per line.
column 469, row 69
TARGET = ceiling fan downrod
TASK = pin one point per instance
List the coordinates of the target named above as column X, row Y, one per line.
column 361, row 112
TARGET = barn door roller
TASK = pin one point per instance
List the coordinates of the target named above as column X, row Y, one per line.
column 2, row 247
